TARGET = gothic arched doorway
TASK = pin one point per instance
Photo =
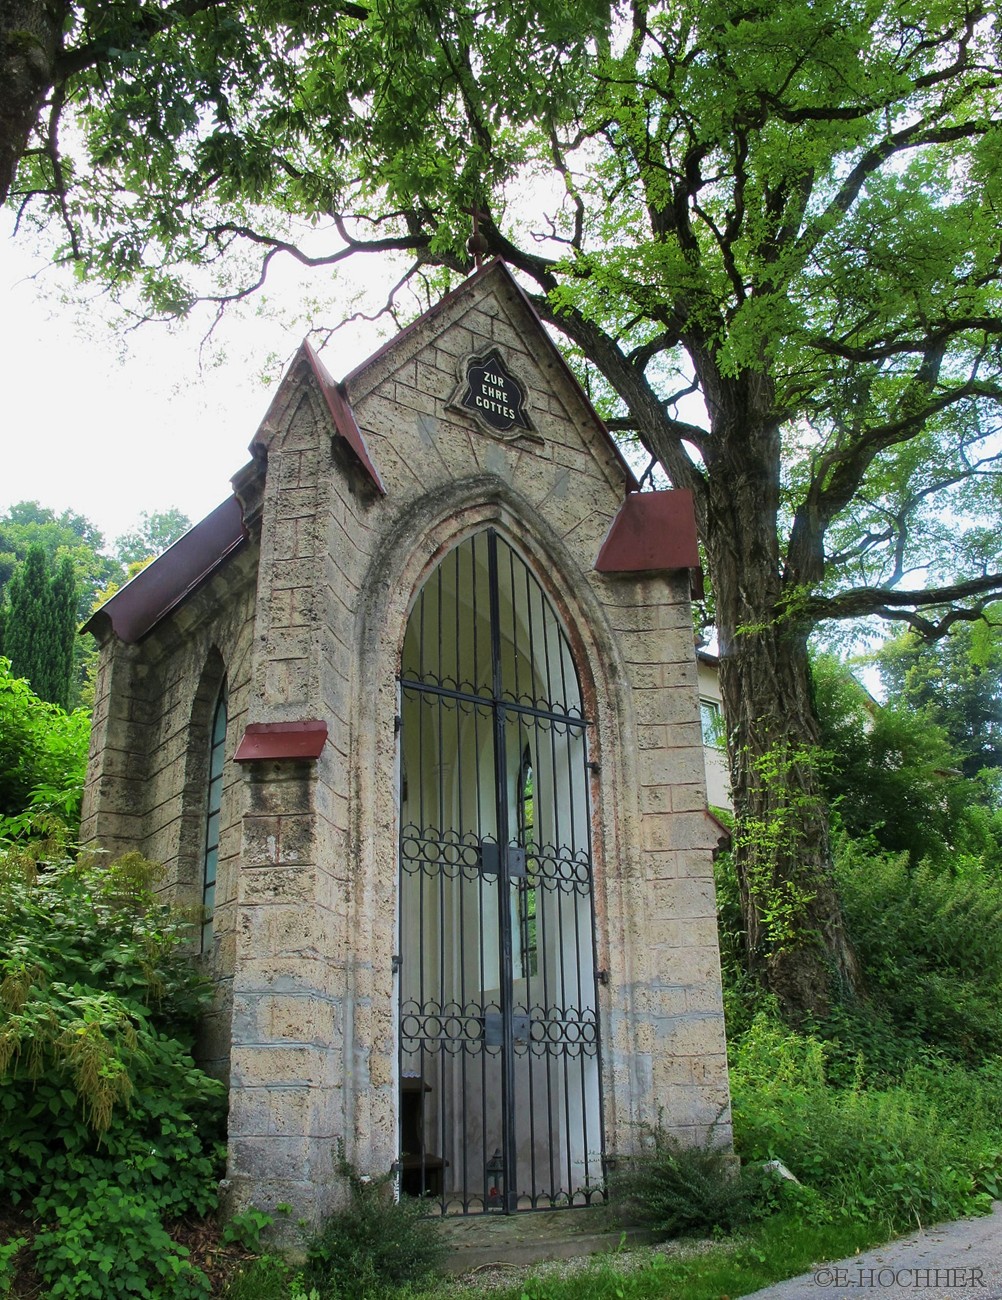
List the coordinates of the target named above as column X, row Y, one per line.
column 500, row 1103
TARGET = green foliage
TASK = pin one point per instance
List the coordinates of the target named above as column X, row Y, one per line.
column 107, row 1128
column 926, row 1149
column 245, row 1229
column 374, row 1244
column 930, row 940
column 684, row 1190
column 111, row 1244
column 269, row 1277
column 65, row 536
column 156, row 530
column 39, row 625
column 43, row 753
column 785, row 826
column 891, row 773
column 9, row 1250
column 71, row 543
column 956, row 683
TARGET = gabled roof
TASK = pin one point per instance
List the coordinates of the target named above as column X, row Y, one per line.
column 653, row 530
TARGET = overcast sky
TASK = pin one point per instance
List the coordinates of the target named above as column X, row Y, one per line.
column 109, row 426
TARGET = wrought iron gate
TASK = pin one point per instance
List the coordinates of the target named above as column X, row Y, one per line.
column 500, row 1091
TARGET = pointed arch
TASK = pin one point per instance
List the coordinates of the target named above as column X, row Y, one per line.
column 498, row 1014
column 208, row 709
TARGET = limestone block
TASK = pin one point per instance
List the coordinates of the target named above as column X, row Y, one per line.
column 692, row 897
column 688, row 830
column 649, row 737
column 279, row 788
column 268, row 1157
column 662, row 1000
column 287, row 681
column 688, row 967
column 270, row 840
column 280, row 929
column 257, row 1065
column 705, row 998
column 693, row 1036
column 689, row 798
column 685, row 763
column 668, row 706
column 416, row 399
column 655, row 799
column 710, row 1070
column 296, row 885
column 661, row 864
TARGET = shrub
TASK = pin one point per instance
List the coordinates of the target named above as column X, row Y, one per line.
column 374, row 1244
column 43, row 751
column 930, row 940
column 9, row 1251
column 106, row 1125
column 680, row 1190
column 113, row 1244
column 268, row 1277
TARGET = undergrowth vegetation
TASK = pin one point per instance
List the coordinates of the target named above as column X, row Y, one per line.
column 108, row 1131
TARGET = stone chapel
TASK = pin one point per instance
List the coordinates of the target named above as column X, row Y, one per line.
column 413, row 718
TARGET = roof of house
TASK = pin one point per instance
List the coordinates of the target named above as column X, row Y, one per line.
column 653, row 531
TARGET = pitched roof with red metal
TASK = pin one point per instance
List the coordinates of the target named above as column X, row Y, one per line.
column 653, row 530
column 342, row 414
column 497, row 269
column 155, row 591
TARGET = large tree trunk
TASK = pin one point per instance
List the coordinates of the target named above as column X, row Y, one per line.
column 796, row 941
column 31, row 33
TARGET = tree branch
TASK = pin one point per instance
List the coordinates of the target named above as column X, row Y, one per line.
column 888, row 603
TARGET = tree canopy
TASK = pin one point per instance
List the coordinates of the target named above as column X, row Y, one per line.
column 769, row 234
column 957, row 682
column 156, row 530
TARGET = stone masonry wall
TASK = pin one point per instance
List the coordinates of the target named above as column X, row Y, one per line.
column 147, row 777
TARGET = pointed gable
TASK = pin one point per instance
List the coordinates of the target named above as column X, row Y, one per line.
column 425, row 370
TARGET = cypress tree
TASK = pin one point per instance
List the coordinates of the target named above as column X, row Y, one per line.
column 64, row 625
column 39, row 624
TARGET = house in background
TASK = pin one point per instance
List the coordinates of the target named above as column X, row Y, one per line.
column 711, row 719
column 414, row 719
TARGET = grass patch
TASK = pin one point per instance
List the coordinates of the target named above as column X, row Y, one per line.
column 781, row 1247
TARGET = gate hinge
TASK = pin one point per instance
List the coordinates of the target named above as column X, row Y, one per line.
column 396, row 962
column 397, row 722
column 602, row 977
column 594, row 768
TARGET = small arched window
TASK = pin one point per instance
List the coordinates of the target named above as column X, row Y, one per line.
column 213, row 805
column 527, row 951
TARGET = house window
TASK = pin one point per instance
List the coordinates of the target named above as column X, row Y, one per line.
column 712, row 721
column 213, row 804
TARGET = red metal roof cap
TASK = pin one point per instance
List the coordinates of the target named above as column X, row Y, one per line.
column 269, row 740
column 653, row 531
column 342, row 414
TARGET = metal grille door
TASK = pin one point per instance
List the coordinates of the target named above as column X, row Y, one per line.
column 500, row 1103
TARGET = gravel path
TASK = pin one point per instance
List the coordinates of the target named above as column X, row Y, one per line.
column 954, row 1261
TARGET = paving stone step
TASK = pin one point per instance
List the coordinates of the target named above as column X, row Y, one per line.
column 535, row 1235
